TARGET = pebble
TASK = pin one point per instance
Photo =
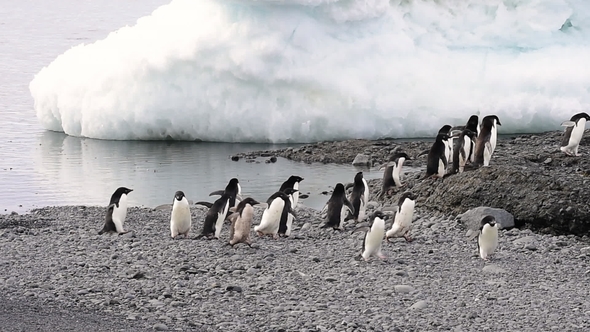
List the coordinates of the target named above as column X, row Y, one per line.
column 419, row 305
column 160, row 327
column 404, row 289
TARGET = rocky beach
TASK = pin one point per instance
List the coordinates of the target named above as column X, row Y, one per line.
column 59, row 274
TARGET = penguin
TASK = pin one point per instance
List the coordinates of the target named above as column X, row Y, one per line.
column 472, row 125
column 486, row 140
column 402, row 223
column 487, row 241
column 233, row 189
column 241, row 222
column 278, row 206
column 446, row 130
column 116, row 212
column 574, row 130
column 217, row 213
column 337, row 207
column 293, row 183
column 286, row 222
column 373, row 237
column 391, row 175
column 180, row 221
column 437, row 160
column 462, row 149
column 359, row 197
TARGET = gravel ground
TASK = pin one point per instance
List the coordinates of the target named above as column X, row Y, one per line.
column 55, row 264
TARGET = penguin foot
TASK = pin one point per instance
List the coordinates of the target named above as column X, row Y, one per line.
column 408, row 238
column 380, row 255
column 275, row 236
column 259, row 233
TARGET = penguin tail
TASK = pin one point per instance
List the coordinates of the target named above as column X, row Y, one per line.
column 101, row 232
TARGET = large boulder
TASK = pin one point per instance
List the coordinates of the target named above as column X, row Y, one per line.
column 472, row 218
column 361, row 160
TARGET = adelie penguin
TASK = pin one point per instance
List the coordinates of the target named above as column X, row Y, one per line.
column 402, row 223
column 233, row 189
column 487, row 241
column 472, row 125
column 446, row 130
column 574, row 130
column 486, row 140
column 180, row 220
column 462, row 150
column 293, row 184
column 338, row 207
column 217, row 213
column 392, row 172
column 359, row 197
column 437, row 161
column 241, row 222
column 373, row 236
column 116, row 212
column 274, row 217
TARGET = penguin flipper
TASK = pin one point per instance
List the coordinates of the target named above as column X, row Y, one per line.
column 423, row 153
column 207, row 204
column 217, row 192
column 568, row 124
column 349, row 205
column 348, row 185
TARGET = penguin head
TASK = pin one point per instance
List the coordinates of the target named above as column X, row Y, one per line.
column 407, row 195
column 294, row 179
column 378, row 214
column 488, row 220
column 442, row 137
column 358, row 178
column 396, row 156
column 488, row 121
column 469, row 133
column 249, row 200
column 179, row 195
column 445, row 129
column 580, row 116
column 338, row 190
column 118, row 193
column 233, row 183
column 472, row 122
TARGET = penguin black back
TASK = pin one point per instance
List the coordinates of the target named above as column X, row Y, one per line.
column 288, row 208
column 485, row 134
column 335, row 204
column 436, row 153
column 358, row 190
column 219, row 206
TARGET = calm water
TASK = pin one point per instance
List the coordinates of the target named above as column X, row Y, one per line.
column 41, row 168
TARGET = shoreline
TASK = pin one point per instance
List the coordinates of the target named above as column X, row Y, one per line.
column 311, row 281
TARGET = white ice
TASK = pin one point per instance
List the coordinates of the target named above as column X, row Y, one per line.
column 308, row 70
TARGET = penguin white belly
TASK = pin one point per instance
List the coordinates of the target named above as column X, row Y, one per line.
column 396, row 173
column 488, row 241
column 467, row 150
column 576, row 136
column 271, row 217
column 343, row 214
column 374, row 239
column 493, row 138
column 472, row 151
column 180, row 221
column 487, row 154
column 451, row 141
column 243, row 224
column 402, row 223
column 289, row 219
column 447, row 149
column 295, row 195
column 220, row 219
column 120, row 213
column 441, row 168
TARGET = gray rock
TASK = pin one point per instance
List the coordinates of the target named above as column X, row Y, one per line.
column 472, row 218
column 361, row 160
column 403, row 289
column 419, row 305
column 160, row 327
column 494, row 269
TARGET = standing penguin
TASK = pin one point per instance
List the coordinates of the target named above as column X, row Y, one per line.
column 462, row 150
column 574, row 130
column 338, row 207
column 391, row 175
column 437, row 160
column 374, row 237
column 215, row 216
column 180, row 221
column 359, row 196
column 486, row 140
column 487, row 241
column 278, row 206
column 402, row 224
column 293, row 183
column 241, row 222
column 116, row 212
column 473, row 126
column 446, row 130
column 286, row 222
column 233, row 189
